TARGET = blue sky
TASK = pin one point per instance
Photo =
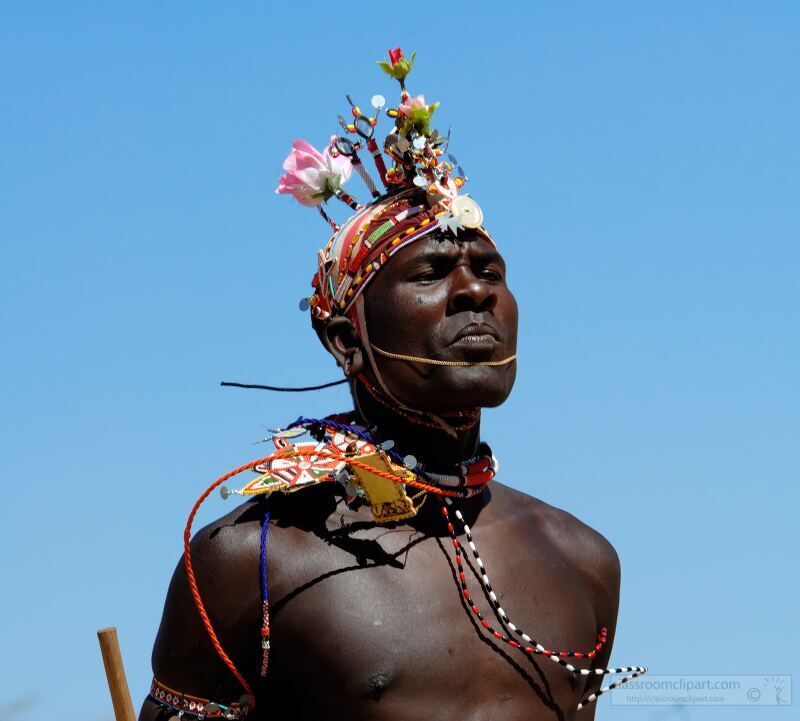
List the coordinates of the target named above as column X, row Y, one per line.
column 638, row 166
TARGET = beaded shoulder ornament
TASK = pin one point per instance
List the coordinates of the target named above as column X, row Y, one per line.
column 422, row 196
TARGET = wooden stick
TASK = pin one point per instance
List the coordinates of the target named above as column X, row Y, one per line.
column 115, row 673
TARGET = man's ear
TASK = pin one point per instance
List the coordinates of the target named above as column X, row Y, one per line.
column 340, row 338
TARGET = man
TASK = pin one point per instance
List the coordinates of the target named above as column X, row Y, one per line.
column 376, row 620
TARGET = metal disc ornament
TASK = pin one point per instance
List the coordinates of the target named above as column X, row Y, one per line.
column 467, row 211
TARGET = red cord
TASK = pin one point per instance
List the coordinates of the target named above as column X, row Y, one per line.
column 198, row 601
column 187, row 534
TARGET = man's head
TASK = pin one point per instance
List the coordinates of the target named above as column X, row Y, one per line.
column 443, row 297
column 410, row 294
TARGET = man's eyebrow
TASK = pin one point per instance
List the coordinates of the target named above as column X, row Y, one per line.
column 439, row 251
column 488, row 255
column 446, row 249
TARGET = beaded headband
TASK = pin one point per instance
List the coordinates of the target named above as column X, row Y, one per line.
column 421, row 192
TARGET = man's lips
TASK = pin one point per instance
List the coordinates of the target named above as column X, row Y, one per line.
column 476, row 334
column 477, row 341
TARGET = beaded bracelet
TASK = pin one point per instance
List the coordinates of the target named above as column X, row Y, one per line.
column 182, row 704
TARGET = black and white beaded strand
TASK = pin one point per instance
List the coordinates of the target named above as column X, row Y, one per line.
column 536, row 647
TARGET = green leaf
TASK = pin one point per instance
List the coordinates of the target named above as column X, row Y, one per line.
column 332, row 183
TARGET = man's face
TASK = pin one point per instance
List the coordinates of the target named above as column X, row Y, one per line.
column 446, row 299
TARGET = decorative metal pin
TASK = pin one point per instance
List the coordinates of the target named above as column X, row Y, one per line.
column 365, row 128
column 350, row 149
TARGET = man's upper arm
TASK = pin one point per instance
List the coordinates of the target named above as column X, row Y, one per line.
column 601, row 567
column 225, row 562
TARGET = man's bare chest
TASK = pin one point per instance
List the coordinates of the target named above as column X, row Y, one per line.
column 374, row 624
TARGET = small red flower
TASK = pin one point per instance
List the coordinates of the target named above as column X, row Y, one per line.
column 395, row 56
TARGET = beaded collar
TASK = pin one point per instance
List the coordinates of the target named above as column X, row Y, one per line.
column 368, row 470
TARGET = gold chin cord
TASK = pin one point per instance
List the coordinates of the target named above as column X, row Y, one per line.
column 364, row 335
column 368, row 348
column 437, row 362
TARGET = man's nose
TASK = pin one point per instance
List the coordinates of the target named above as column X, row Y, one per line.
column 471, row 292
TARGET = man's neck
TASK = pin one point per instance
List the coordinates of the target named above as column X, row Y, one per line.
column 434, row 447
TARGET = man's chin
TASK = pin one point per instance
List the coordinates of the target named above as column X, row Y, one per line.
column 459, row 388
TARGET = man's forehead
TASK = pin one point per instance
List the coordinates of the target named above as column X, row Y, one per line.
column 446, row 246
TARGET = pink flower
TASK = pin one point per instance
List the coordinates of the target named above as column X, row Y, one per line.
column 312, row 177
column 395, row 56
column 410, row 104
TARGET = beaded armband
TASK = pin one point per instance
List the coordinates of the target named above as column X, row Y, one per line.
column 182, row 704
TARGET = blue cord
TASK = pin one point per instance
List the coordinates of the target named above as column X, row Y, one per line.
column 262, row 563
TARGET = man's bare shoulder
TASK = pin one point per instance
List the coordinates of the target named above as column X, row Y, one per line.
column 229, row 537
column 230, row 545
column 582, row 546
column 235, row 536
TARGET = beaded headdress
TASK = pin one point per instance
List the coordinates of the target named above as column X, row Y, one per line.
column 420, row 195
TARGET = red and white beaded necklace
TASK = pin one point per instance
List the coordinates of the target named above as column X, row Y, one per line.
column 532, row 646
